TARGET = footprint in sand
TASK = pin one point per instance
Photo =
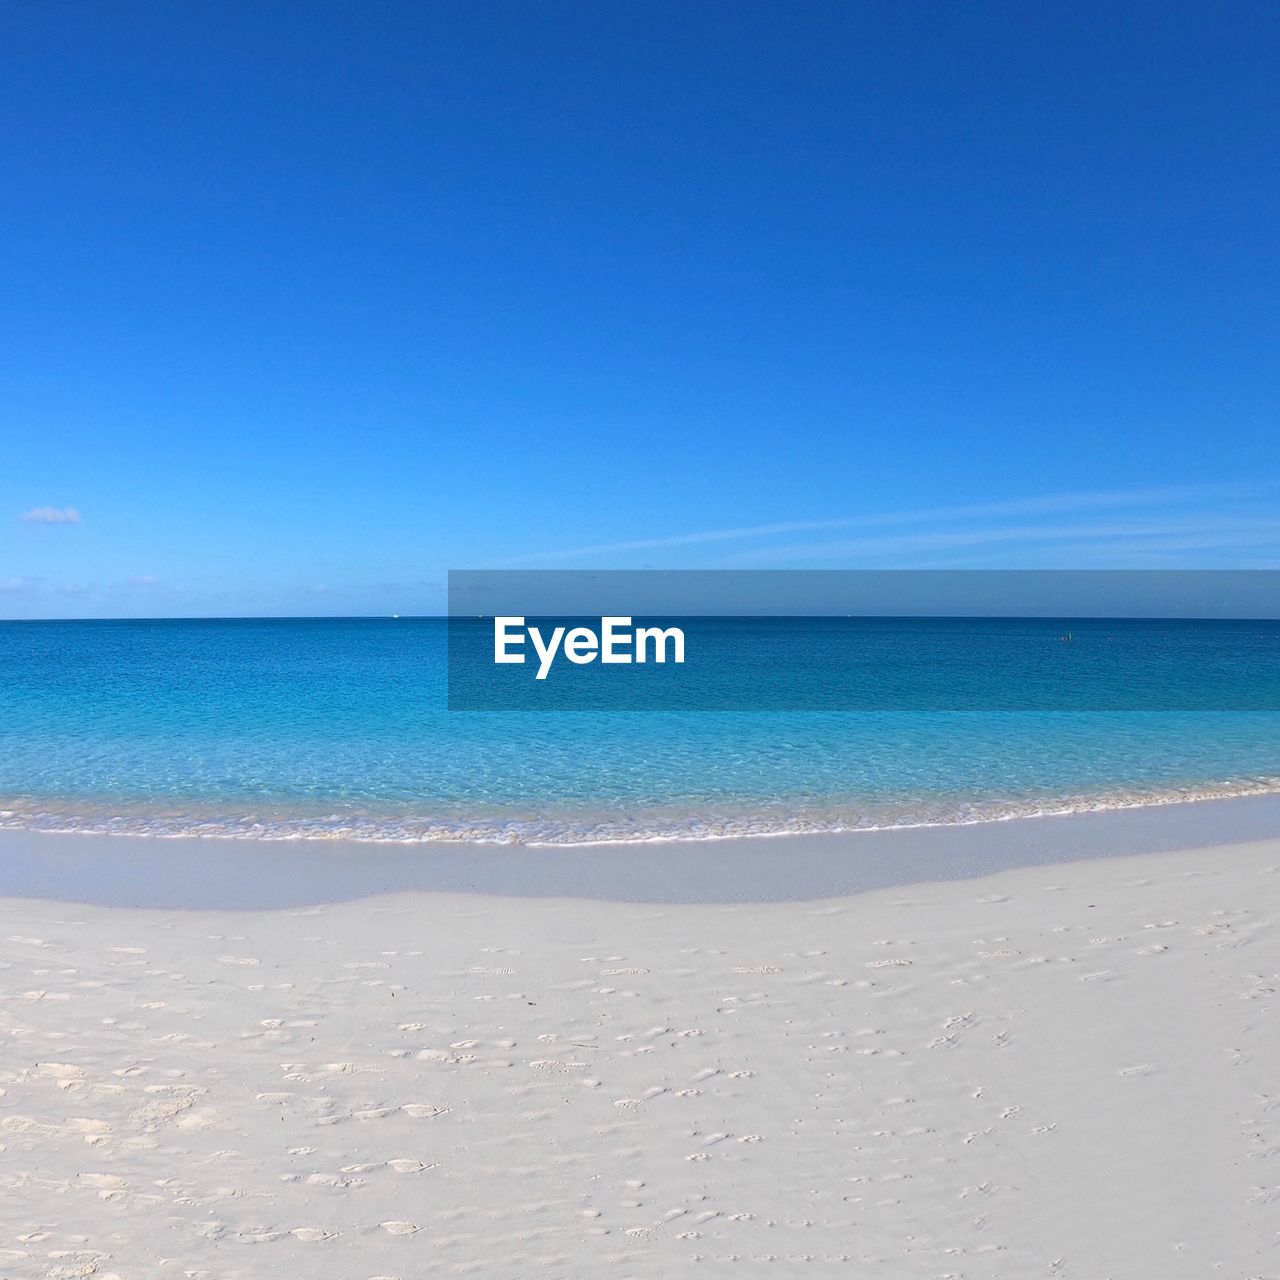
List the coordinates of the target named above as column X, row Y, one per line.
column 73, row 1264
column 331, row 1180
column 88, row 1126
column 102, row 1181
column 158, row 1110
column 63, row 1072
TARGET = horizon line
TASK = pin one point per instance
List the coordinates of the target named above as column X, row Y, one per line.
column 460, row 617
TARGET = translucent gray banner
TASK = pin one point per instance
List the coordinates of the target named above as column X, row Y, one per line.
column 855, row 640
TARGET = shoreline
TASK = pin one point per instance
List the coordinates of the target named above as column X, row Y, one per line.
column 211, row 872
column 566, row 832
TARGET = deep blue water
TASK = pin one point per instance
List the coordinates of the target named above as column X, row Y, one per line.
column 340, row 727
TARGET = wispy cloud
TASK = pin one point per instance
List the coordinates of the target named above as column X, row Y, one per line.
column 1189, row 534
column 951, row 526
column 51, row 515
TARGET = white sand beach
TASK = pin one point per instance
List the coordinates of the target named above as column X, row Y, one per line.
column 1064, row 1070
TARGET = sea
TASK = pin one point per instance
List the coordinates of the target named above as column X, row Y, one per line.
column 325, row 729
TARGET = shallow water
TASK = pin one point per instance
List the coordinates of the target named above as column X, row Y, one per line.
column 339, row 729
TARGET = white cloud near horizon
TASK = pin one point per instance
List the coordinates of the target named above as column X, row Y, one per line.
column 51, row 515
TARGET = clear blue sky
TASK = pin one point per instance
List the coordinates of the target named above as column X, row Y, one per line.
column 301, row 305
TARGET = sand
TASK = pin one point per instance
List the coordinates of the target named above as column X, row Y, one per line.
column 1060, row 1071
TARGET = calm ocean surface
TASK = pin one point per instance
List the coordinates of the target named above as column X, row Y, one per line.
column 338, row 728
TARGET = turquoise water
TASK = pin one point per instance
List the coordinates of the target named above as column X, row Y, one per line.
column 327, row 728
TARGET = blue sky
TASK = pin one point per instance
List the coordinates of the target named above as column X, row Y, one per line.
column 302, row 305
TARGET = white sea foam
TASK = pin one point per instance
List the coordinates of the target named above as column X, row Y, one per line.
column 567, row 829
